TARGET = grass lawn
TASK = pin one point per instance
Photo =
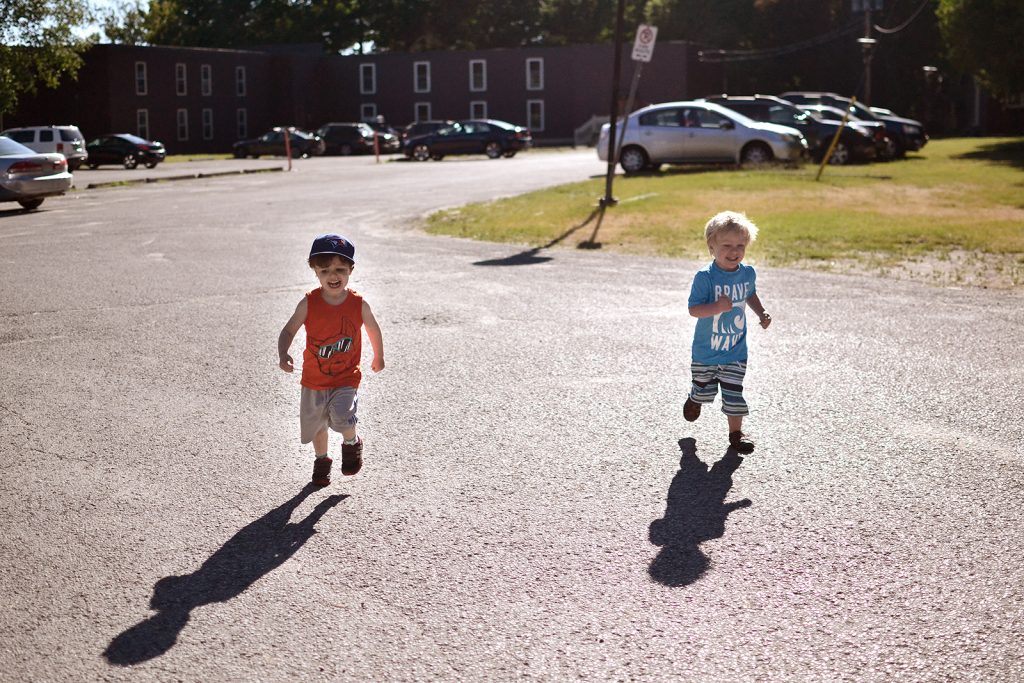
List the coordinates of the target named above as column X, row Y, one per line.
column 952, row 214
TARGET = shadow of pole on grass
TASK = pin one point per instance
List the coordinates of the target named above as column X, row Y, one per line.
column 257, row 549
column 695, row 512
column 532, row 256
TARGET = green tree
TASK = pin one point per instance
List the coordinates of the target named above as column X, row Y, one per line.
column 125, row 23
column 38, row 45
column 983, row 38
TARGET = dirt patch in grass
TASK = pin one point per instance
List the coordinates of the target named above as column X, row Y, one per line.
column 954, row 269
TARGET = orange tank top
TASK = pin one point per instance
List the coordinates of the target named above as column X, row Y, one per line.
column 334, row 336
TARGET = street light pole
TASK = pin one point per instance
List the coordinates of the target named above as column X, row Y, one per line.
column 867, row 45
column 608, row 199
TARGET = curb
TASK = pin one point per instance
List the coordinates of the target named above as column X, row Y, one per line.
column 187, row 176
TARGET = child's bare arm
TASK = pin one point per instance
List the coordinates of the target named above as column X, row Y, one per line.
column 757, row 307
column 284, row 340
column 376, row 338
column 723, row 304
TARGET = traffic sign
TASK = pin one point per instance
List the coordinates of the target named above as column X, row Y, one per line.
column 643, row 46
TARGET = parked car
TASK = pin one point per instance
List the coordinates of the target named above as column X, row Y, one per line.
column 389, row 139
column 423, row 127
column 66, row 140
column 854, row 144
column 907, row 135
column 303, row 144
column 125, row 149
column 28, row 177
column 346, row 138
column 699, row 133
column 487, row 136
column 885, row 148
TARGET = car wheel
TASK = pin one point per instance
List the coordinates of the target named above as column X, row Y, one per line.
column 421, row 152
column 633, row 160
column 889, row 149
column 130, row 161
column 509, row 154
column 756, row 154
column 239, row 153
column 94, row 166
column 345, row 150
column 840, row 155
column 74, row 165
column 493, row 150
column 151, row 164
column 30, row 204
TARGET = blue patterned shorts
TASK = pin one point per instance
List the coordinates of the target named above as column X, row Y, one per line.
column 707, row 378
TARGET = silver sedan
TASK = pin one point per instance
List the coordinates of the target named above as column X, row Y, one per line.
column 28, row 177
column 700, row 133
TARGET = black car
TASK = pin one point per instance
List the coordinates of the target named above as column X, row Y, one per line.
column 346, row 138
column 854, row 144
column 907, row 135
column 423, row 127
column 272, row 143
column 126, row 150
column 487, row 136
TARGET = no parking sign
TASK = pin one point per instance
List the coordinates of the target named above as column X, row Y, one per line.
column 643, row 46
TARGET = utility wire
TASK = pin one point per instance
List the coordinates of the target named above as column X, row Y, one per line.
column 750, row 55
column 890, row 31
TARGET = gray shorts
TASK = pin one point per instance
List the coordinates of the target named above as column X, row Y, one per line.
column 333, row 408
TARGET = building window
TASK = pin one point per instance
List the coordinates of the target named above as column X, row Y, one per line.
column 183, row 124
column 140, row 78
column 142, row 123
column 241, row 123
column 207, row 124
column 535, row 73
column 180, row 79
column 240, row 81
column 478, row 109
column 422, row 111
column 206, row 80
column 477, row 75
column 368, row 79
column 367, row 111
column 421, row 76
column 535, row 115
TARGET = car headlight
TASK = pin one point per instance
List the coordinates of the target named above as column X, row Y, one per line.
column 910, row 130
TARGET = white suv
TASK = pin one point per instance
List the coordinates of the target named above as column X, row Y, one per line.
column 66, row 140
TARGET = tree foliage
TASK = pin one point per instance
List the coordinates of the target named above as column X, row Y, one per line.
column 983, row 37
column 125, row 23
column 38, row 45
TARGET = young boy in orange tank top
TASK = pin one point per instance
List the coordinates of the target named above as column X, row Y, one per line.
column 334, row 317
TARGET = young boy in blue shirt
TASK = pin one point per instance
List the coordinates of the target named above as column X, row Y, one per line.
column 719, row 295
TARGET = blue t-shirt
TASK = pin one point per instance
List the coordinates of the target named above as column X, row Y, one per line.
column 723, row 338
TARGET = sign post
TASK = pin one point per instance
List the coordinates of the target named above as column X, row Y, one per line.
column 643, row 51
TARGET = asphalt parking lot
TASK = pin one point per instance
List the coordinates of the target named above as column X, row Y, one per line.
column 533, row 506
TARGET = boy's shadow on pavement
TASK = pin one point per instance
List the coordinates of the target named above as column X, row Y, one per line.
column 695, row 513
column 257, row 549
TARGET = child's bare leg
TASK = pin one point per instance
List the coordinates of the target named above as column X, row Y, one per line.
column 735, row 423
column 349, row 433
column 320, row 442
column 737, row 439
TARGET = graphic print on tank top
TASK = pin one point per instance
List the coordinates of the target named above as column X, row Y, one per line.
column 334, row 352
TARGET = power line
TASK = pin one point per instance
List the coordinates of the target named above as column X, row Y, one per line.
column 890, row 31
column 751, row 55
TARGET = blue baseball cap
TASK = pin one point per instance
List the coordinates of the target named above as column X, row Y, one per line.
column 333, row 244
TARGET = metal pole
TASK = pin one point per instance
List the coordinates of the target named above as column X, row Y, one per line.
column 608, row 199
column 629, row 106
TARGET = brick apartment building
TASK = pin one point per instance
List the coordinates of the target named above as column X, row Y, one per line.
column 197, row 100
column 202, row 100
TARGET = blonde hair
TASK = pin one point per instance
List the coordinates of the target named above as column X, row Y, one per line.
column 730, row 221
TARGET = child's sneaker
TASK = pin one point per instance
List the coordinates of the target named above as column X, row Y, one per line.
column 322, row 471
column 352, row 457
column 691, row 410
column 741, row 442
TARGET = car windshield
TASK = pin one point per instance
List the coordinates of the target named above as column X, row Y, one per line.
column 134, row 139
column 9, row 147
